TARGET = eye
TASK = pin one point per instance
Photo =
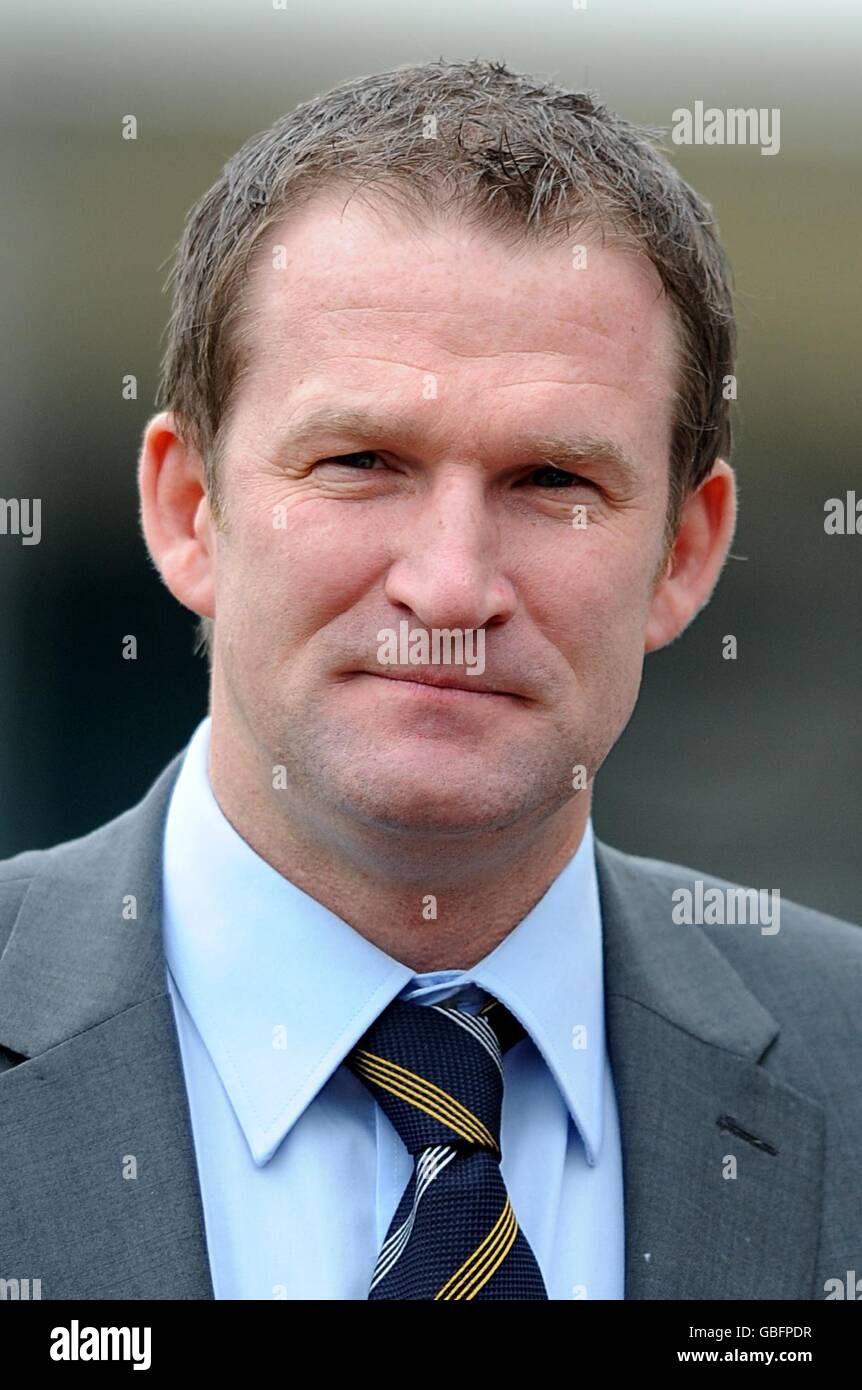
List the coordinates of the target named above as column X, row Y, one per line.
column 359, row 459
column 550, row 477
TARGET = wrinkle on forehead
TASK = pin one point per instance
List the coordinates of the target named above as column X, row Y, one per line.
column 353, row 290
column 319, row 243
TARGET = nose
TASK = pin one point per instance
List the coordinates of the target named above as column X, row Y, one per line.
column 449, row 566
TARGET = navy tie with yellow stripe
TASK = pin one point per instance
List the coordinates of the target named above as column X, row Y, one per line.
column 437, row 1073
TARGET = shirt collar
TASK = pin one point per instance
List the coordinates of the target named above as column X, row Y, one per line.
column 280, row 988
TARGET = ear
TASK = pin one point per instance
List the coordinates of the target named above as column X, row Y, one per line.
column 707, row 524
column 175, row 515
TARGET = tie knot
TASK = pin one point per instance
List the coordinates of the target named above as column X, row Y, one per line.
column 437, row 1072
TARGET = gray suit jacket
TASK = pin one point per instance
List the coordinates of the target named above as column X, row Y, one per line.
column 723, row 1041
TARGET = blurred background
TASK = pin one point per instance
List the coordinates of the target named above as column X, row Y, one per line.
column 749, row 769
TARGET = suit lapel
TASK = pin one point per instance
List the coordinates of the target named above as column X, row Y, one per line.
column 99, row 1196
column 686, row 1039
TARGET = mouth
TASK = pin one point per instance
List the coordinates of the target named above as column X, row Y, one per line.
column 431, row 683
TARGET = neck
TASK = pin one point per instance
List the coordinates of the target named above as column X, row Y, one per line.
column 430, row 901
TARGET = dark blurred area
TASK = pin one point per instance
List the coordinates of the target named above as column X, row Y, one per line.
column 747, row 768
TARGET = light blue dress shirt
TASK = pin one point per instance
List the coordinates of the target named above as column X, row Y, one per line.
column 300, row 1170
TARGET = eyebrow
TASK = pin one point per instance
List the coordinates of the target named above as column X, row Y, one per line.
column 573, row 451
column 562, row 450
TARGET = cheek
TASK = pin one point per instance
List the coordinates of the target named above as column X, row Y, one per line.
column 290, row 571
column 591, row 594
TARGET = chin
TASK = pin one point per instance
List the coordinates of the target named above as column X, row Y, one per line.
column 429, row 810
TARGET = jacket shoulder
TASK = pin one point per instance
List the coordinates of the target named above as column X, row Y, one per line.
column 798, row 920
column 16, row 875
column 18, row 872
column 803, row 962
column 81, row 858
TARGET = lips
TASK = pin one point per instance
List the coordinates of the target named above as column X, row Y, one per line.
column 442, row 680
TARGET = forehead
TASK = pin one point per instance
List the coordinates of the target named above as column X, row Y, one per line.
column 344, row 290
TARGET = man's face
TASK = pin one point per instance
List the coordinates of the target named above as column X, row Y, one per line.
column 447, row 511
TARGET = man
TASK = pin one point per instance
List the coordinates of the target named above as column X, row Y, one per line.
column 353, row 1004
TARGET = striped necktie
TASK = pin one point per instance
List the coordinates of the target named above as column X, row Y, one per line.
column 437, row 1073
